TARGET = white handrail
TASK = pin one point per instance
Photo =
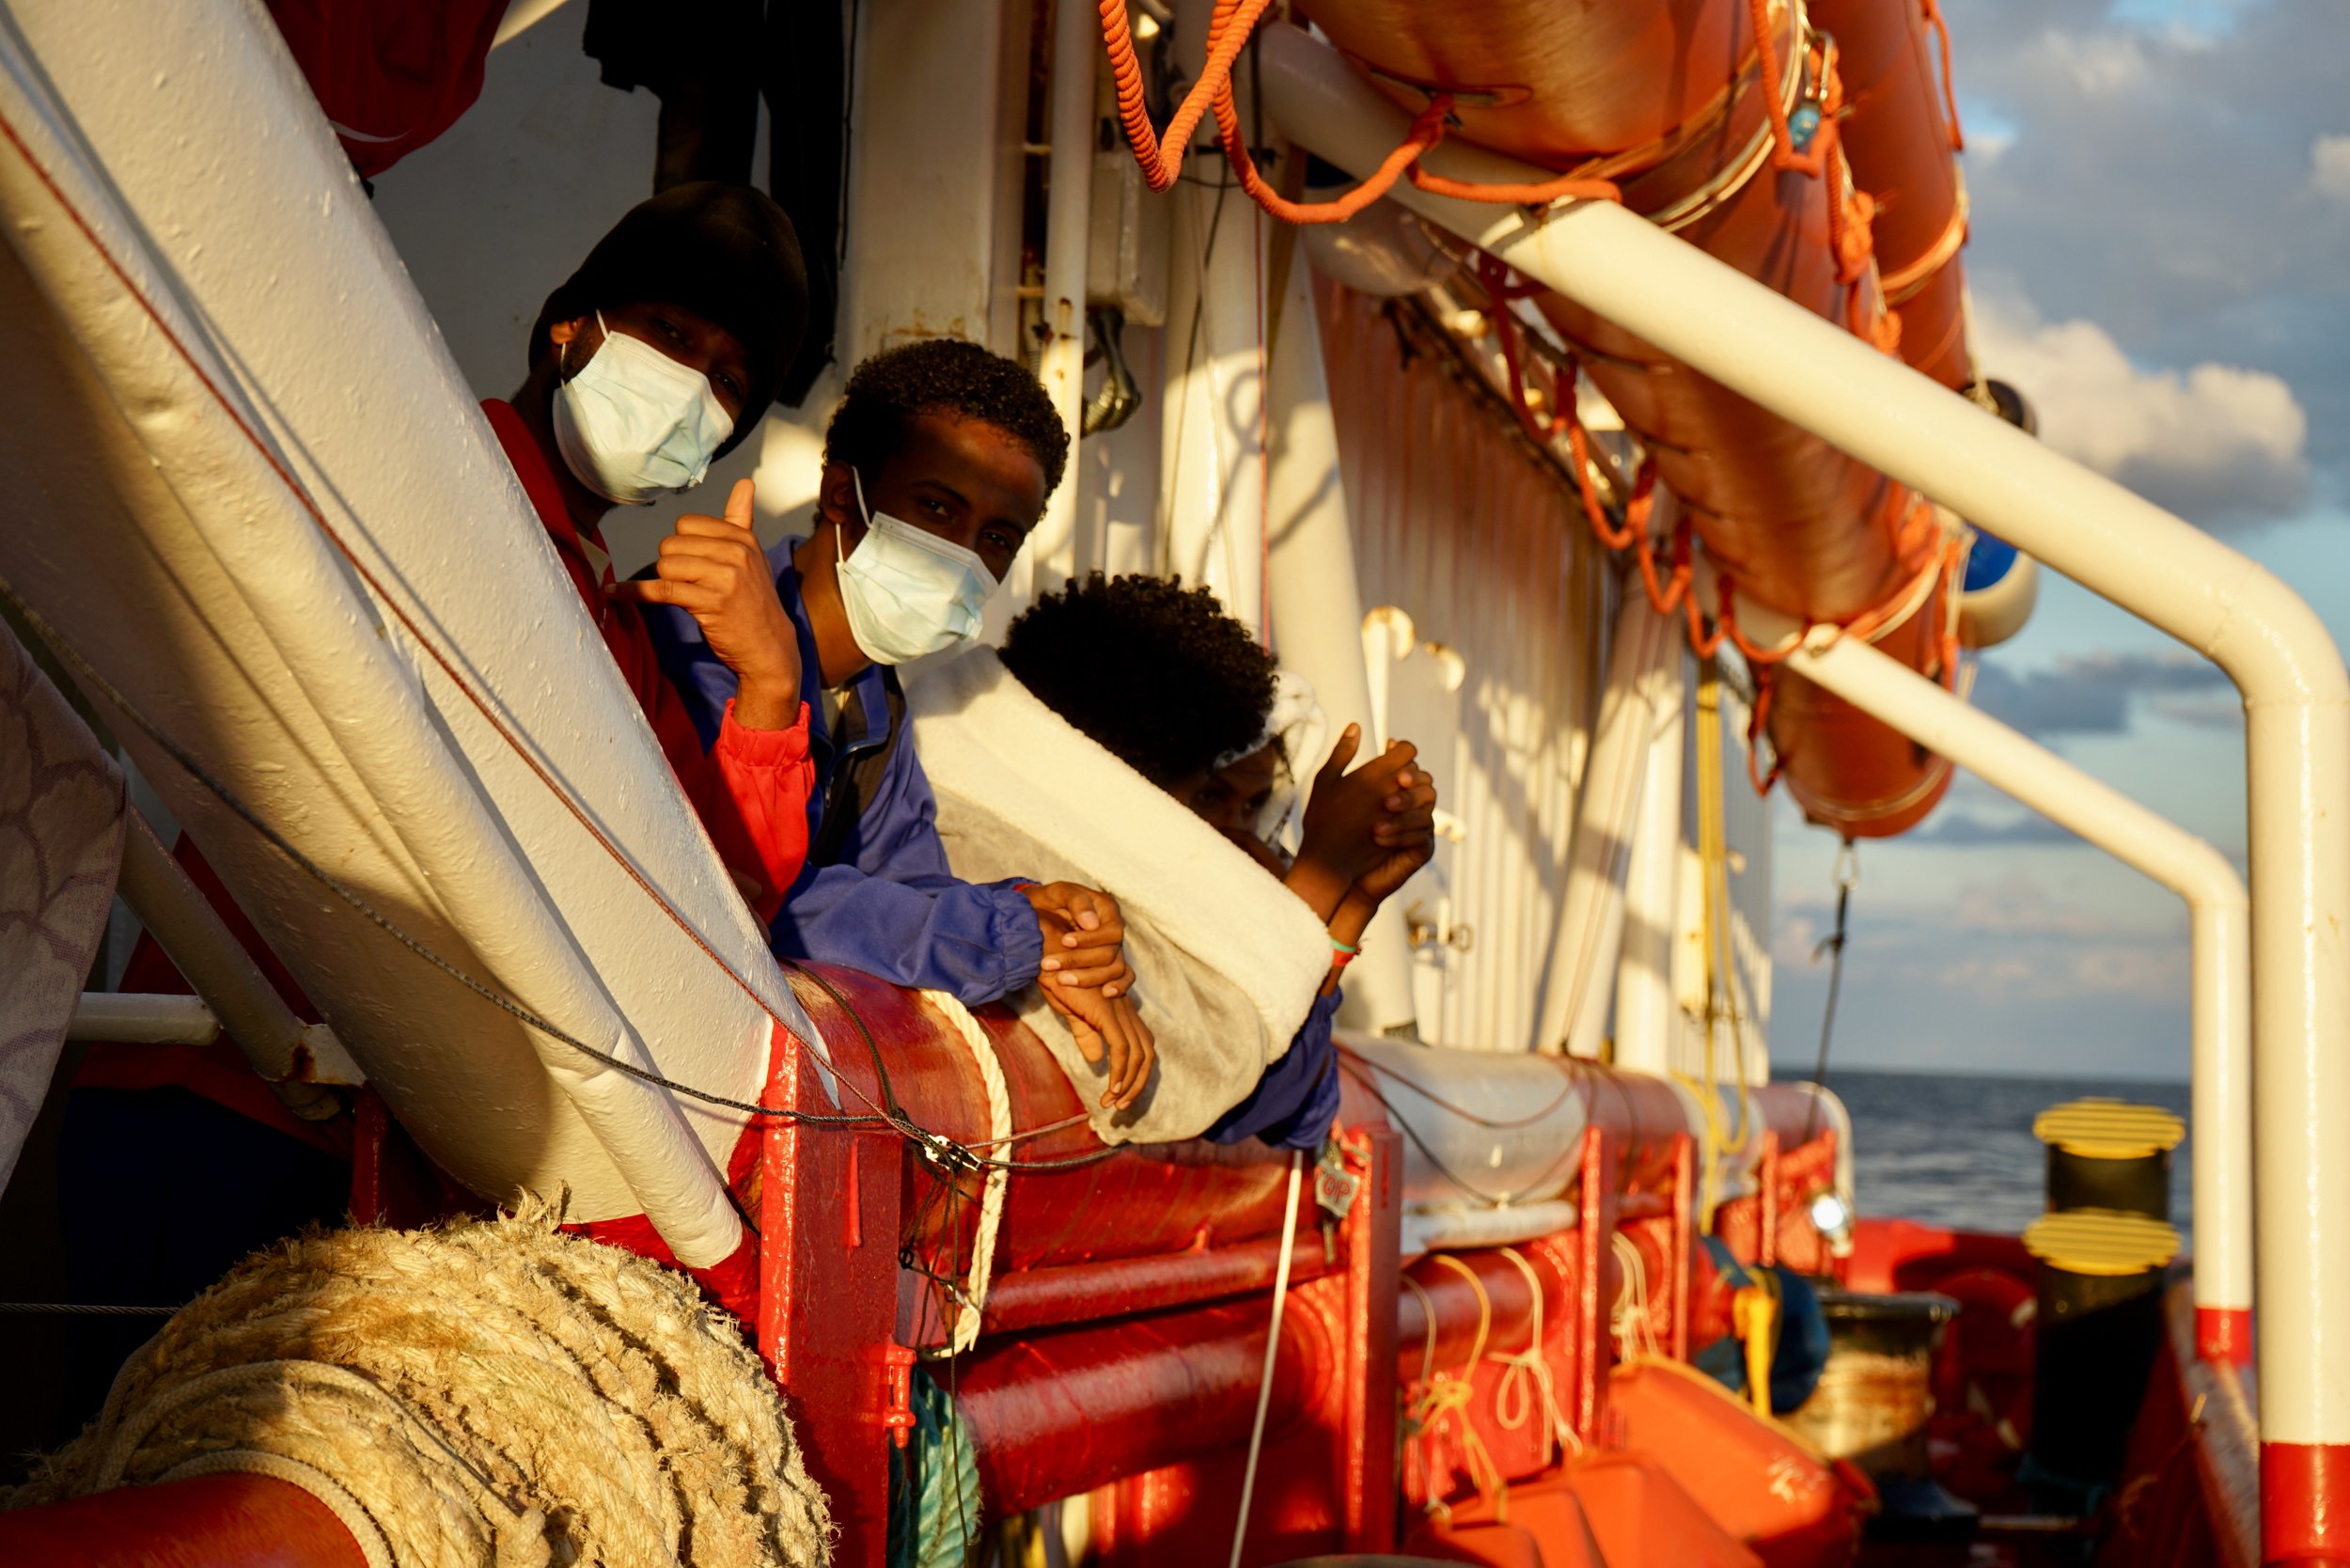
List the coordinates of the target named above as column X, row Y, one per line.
column 2217, row 909
column 2153, row 564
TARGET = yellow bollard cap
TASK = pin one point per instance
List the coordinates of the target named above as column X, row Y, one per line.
column 2103, row 1242
column 2109, row 1129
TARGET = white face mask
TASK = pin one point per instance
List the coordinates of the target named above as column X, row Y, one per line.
column 908, row 592
column 634, row 425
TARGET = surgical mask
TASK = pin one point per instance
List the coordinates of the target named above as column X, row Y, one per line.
column 634, row 425
column 908, row 592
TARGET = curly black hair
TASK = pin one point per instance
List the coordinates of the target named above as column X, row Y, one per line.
column 943, row 375
column 1153, row 671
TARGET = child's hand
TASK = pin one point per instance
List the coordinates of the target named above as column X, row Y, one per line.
column 1354, row 821
column 1112, row 1028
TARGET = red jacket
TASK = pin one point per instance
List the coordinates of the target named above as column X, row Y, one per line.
column 751, row 788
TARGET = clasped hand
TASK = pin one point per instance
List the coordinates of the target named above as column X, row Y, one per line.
column 1084, row 978
column 1365, row 832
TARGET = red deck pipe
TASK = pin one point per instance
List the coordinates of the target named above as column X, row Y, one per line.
column 1067, row 1410
column 1045, row 1297
column 224, row 1521
column 2304, row 1504
column 1454, row 1300
column 1167, row 1198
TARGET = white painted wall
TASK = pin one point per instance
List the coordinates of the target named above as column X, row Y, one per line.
column 1487, row 552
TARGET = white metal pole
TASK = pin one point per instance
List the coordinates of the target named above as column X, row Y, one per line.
column 2218, row 910
column 2150, row 562
column 234, row 993
column 1317, row 606
column 137, row 1018
column 1051, row 558
column 1212, row 460
column 1642, row 694
column 1648, row 1014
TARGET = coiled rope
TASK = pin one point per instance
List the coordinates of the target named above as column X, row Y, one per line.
column 497, row 1393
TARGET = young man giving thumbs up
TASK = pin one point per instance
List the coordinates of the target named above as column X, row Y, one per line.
column 656, row 358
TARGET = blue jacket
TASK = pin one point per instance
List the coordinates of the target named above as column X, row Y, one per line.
column 880, row 899
column 1296, row 1103
column 875, row 894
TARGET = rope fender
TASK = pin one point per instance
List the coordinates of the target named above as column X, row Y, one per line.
column 496, row 1393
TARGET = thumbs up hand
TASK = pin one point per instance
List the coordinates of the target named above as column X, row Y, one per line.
column 713, row 568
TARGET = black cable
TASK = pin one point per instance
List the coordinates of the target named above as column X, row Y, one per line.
column 1847, row 874
column 881, row 1069
column 76, row 1308
column 1570, row 1085
column 1403, row 1125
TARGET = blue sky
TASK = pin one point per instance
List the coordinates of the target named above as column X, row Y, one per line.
column 2161, row 195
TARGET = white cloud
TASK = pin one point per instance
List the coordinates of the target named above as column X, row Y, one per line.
column 1796, row 940
column 2215, row 442
column 2016, row 905
column 2330, row 167
column 2098, row 63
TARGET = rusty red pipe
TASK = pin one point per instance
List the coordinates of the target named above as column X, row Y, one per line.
column 222, row 1521
column 1065, row 1411
column 1074, row 1293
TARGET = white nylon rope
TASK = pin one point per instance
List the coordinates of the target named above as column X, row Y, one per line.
column 1630, row 1317
column 966, row 1329
column 310, row 1479
column 1272, row 1351
column 1527, row 1386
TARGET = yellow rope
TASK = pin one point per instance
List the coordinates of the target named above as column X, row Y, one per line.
column 1754, row 1315
column 1527, row 1382
column 1451, row 1397
column 1427, row 1324
column 1721, row 973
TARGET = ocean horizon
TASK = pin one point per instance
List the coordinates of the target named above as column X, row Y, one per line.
column 1956, row 1149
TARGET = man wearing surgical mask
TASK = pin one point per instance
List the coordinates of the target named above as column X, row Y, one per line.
column 936, row 466
column 657, row 356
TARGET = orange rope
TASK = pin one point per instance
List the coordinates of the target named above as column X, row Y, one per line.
column 1230, row 25
column 1758, row 717
column 1950, row 91
column 1667, row 593
column 1427, row 131
column 1668, row 596
column 1784, row 155
column 1162, row 157
column 1569, row 186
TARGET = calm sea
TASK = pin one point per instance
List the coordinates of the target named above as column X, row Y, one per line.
column 1957, row 1150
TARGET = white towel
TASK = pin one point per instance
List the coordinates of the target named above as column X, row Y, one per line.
column 1227, row 961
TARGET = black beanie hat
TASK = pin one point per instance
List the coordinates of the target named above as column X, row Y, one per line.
column 727, row 252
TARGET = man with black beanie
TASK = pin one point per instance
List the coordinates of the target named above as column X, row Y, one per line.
column 658, row 356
